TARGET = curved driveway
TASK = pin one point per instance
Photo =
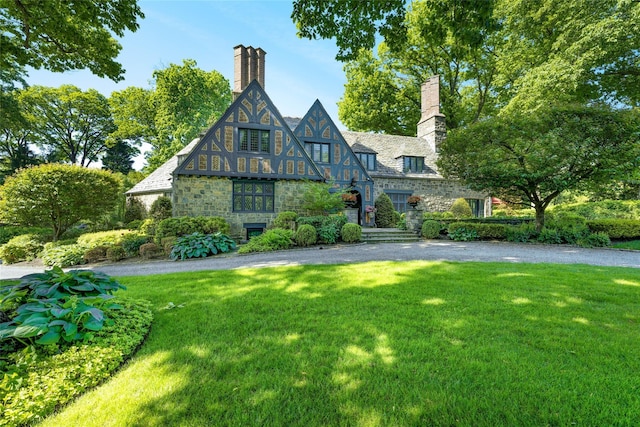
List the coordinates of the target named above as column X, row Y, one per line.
column 339, row 254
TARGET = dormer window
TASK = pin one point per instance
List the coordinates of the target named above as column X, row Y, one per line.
column 368, row 160
column 413, row 164
column 254, row 140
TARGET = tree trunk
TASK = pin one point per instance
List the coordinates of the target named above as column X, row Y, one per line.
column 539, row 217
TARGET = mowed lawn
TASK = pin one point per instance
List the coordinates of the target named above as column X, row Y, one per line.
column 380, row 344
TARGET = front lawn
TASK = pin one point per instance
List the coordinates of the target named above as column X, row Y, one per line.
column 378, row 344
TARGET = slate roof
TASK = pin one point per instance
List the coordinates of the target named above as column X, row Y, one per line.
column 389, row 149
column 160, row 180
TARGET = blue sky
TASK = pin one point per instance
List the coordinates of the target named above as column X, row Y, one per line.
column 298, row 71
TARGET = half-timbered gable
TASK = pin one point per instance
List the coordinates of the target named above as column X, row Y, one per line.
column 250, row 141
column 333, row 156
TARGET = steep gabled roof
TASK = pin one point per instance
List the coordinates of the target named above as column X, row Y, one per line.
column 161, row 179
column 389, row 151
column 217, row 153
column 317, row 126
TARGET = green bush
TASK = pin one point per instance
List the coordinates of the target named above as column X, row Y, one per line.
column 462, row 231
column 131, row 243
column 199, row 245
column 521, row 233
column 134, row 210
column 167, row 244
column 461, row 209
column 286, row 219
column 59, row 255
column 437, row 215
column 101, row 238
column 8, row 232
column 181, row 226
column 482, row 231
column 161, row 208
column 616, row 228
column 135, row 225
column 605, row 209
column 351, row 233
column 430, row 229
column 271, row 240
column 116, row 253
column 314, row 221
column 148, row 227
column 385, row 212
column 306, row 235
column 21, row 248
column 329, row 230
column 595, row 240
column 38, row 379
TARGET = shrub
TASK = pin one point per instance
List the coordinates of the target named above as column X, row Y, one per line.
column 98, row 253
column 181, row 226
column 116, row 253
column 437, row 215
column 42, row 380
column 550, row 236
column 306, row 235
column 430, row 229
column 112, row 237
column 384, row 214
column 462, row 231
column 461, row 209
column 148, row 227
column 161, row 208
column 8, row 232
column 314, row 221
column 318, row 199
column 482, row 231
column 271, row 240
column 21, row 248
column 329, row 231
column 605, row 209
column 198, row 245
column 521, row 233
column 150, row 250
column 59, row 255
column 351, row 233
column 595, row 240
column 285, row 219
column 167, row 244
column 616, row 228
column 131, row 243
column 135, row 225
column 134, row 210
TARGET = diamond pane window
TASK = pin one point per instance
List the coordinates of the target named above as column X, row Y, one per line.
column 254, row 140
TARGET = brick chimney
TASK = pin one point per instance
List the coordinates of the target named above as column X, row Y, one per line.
column 432, row 123
column 248, row 66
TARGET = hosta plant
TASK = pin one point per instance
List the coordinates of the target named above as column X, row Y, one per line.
column 199, row 245
column 47, row 307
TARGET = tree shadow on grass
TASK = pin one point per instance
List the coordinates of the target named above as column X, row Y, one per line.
column 402, row 344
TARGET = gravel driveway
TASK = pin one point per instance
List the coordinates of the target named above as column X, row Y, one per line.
column 339, row 254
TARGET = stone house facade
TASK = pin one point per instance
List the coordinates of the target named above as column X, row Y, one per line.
column 253, row 163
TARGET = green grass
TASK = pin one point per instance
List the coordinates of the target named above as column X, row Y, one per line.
column 379, row 344
column 632, row 244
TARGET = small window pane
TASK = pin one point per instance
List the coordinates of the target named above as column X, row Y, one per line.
column 265, row 143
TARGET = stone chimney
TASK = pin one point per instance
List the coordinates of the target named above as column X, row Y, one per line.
column 248, row 66
column 432, row 123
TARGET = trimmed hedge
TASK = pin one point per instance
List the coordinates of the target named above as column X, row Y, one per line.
column 430, row 229
column 483, row 231
column 181, row 226
column 8, row 232
column 306, row 235
column 605, row 209
column 351, row 233
column 616, row 228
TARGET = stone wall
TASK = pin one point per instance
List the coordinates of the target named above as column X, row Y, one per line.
column 147, row 199
column 437, row 194
column 211, row 196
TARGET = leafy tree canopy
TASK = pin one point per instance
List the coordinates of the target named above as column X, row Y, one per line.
column 534, row 158
column 55, row 195
column 69, row 125
column 185, row 101
column 60, row 35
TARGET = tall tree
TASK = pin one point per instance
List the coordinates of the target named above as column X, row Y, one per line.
column 68, row 124
column 534, row 158
column 15, row 150
column 119, row 157
column 491, row 54
column 55, row 195
column 60, row 35
column 184, row 101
